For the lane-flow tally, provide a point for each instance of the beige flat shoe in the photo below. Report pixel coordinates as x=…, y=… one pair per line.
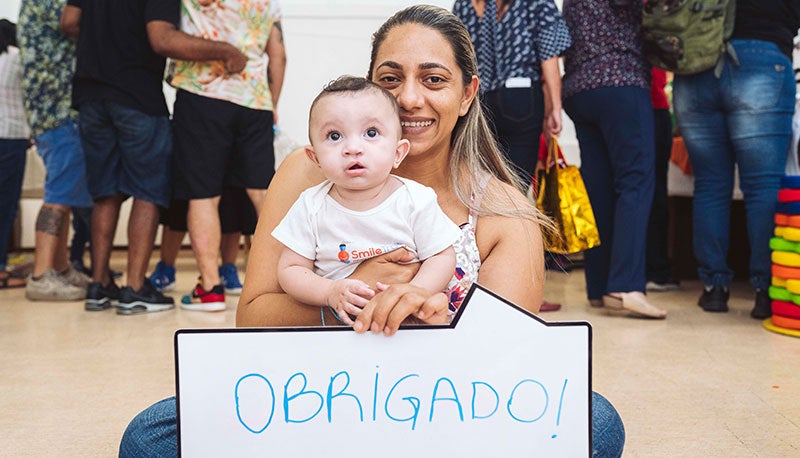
x=634, y=303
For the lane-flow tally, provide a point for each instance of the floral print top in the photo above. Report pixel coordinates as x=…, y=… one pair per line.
x=468, y=259
x=246, y=24
x=48, y=62
x=606, y=46
x=530, y=31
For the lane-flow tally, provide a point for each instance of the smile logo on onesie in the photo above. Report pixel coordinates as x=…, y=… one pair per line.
x=343, y=255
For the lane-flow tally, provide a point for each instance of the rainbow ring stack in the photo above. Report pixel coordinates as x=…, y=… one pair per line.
x=785, y=246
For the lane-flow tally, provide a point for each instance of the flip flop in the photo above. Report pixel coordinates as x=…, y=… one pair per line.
x=5, y=282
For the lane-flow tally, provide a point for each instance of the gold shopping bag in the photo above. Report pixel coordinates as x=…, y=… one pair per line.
x=562, y=196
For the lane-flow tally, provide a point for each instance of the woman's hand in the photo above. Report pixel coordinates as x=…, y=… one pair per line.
x=389, y=268
x=393, y=304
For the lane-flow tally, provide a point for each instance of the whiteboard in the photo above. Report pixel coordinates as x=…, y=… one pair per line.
x=498, y=381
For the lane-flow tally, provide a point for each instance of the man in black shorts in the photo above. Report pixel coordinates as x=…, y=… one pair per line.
x=223, y=130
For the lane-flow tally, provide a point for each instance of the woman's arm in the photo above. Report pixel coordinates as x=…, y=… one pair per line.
x=436, y=272
x=551, y=79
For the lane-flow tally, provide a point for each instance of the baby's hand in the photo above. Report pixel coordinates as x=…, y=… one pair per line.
x=347, y=297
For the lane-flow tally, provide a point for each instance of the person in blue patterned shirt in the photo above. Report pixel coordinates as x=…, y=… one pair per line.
x=518, y=44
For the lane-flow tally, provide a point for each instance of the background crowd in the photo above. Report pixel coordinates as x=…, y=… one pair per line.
x=71, y=80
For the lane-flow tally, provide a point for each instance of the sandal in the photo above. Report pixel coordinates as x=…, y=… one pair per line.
x=633, y=303
x=9, y=281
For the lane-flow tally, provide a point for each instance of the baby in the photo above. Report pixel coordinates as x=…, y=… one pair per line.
x=361, y=210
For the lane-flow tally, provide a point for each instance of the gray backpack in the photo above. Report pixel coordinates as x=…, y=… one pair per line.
x=688, y=36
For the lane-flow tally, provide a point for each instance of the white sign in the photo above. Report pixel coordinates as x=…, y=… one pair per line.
x=498, y=381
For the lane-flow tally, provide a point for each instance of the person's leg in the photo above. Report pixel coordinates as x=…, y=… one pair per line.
x=608, y=431
x=629, y=136
x=698, y=111
x=81, y=235
x=104, y=225
x=204, y=130
x=152, y=433
x=65, y=187
x=205, y=234
x=760, y=126
x=12, y=168
x=659, y=268
x=596, y=174
x=142, y=226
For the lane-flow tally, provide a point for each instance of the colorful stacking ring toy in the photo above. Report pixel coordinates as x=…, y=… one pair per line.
x=782, y=219
x=787, y=309
x=788, y=233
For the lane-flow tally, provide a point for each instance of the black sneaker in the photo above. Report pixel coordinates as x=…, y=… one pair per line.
x=714, y=299
x=147, y=299
x=99, y=297
x=763, y=307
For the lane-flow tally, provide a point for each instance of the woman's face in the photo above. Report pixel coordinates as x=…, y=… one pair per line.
x=416, y=64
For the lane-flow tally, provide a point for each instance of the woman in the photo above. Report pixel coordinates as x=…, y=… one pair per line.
x=741, y=119
x=424, y=57
x=607, y=96
x=517, y=45
x=14, y=134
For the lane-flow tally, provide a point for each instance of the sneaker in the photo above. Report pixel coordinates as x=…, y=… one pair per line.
x=99, y=297
x=52, y=286
x=663, y=286
x=76, y=277
x=204, y=301
x=763, y=306
x=229, y=276
x=163, y=277
x=146, y=300
x=714, y=299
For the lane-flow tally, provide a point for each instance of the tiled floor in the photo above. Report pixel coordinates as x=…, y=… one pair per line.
x=694, y=385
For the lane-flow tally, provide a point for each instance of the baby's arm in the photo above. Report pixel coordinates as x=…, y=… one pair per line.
x=435, y=272
x=297, y=278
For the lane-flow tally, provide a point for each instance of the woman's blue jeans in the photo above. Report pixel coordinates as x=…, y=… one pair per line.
x=154, y=432
x=742, y=119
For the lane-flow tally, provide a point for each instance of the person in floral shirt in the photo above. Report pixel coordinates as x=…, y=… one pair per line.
x=223, y=124
x=48, y=61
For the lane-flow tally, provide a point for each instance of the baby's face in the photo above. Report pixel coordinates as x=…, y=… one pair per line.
x=355, y=138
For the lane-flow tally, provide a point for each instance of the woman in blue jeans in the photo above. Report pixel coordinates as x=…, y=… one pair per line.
x=423, y=56
x=741, y=119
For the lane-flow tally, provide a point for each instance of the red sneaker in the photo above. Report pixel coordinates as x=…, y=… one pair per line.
x=204, y=301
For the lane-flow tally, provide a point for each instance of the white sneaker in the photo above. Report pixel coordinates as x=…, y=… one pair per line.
x=76, y=278
x=52, y=286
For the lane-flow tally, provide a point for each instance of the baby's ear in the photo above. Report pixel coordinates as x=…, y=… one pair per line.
x=311, y=155
x=403, y=147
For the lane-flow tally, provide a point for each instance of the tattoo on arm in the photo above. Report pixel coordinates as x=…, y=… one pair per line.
x=50, y=221
x=278, y=26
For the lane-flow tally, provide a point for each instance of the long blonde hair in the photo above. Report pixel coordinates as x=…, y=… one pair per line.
x=473, y=148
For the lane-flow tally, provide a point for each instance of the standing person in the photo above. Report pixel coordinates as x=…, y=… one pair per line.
x=14, y=135
x=125, y=129
x=659, y=266
x=743, y=118
x=223, y=125
x=518, y=44
x=48, y=62
x=424, y=57
x=606, y=94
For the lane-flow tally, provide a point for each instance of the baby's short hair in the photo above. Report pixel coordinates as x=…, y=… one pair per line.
x=352, y=84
